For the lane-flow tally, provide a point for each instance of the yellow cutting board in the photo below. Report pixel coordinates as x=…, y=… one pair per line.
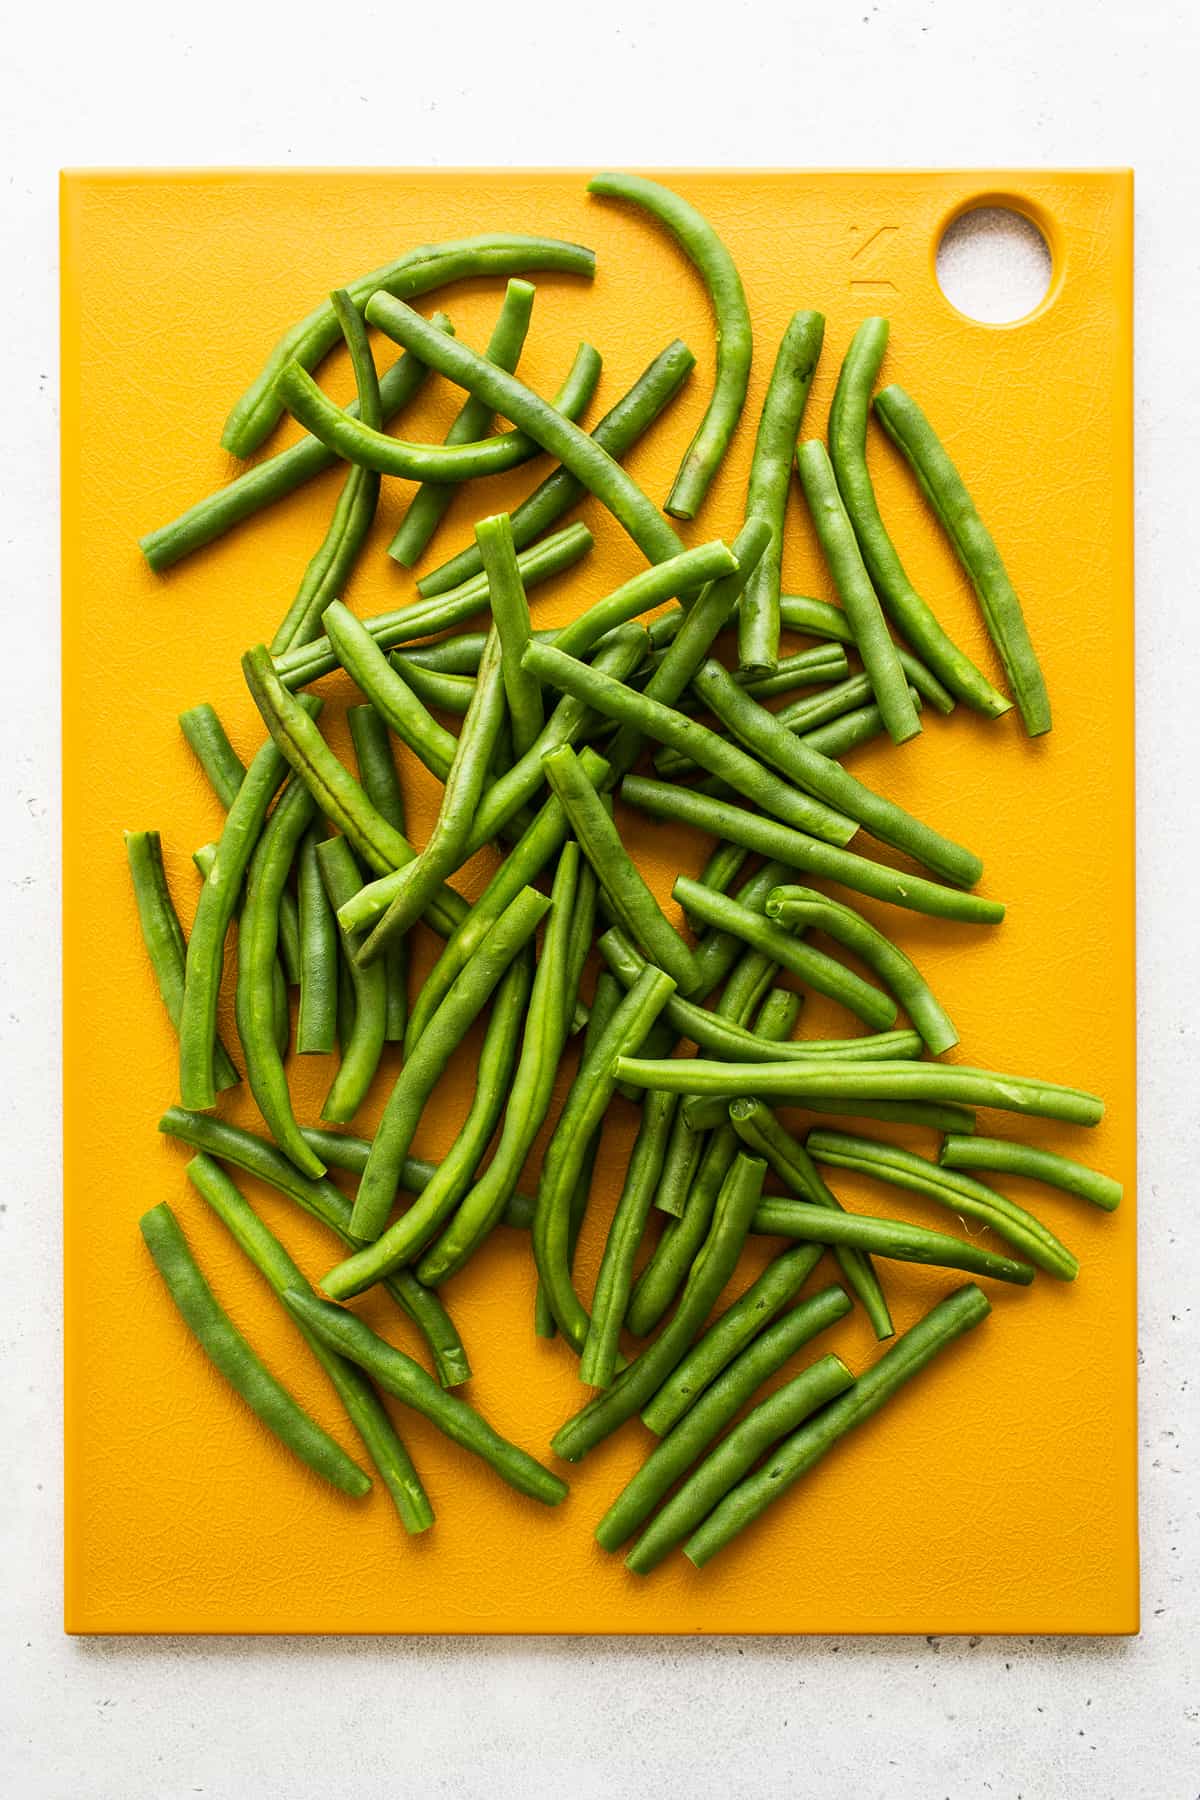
x=998, y=1493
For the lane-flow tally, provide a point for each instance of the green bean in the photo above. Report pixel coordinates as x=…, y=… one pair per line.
x=718, y=951
x=582, y=1111
x=275, y=477
x=358, y=443
x=579, y=948
x=738, y=1326
x=818, y=618
x=233, y=1357
x=761, y=733
x=943, y=487
x=893, y=1238
x=453, y=693
x=390, y=693
x=666, y=800
x=332, y=786
x=404, y=1239
x=680, y=1163
x=316, y=1024
x=711, y=1270
x=723, y=867
x=446, y=847
x=327, y=1203
x=438, y=1042
x=404, y=624
x=364, y=1045
x=705, y=1111
x=530, y=1091
x=840, y=546
x=806, y=1082
x=362, y=1404
x=457, y=655
x=799, y=908
x=889, y=1162
x=812, y=966
x=213, y=751
x=670, y=577
x=163, y=937
x=799, y=716
x=417, y=272
x=580, y=454
x=342, y=1151
x=628, y=896
x=326, y=575
x=510, y=611
x=214, y=913
x=589, y=685
x=848, y=730
x=381, y=784
x=722, y=1469
x=720, y=1401
x=704, y=249
x=966, y=1152
x=204, y=859
x=770, y=478
x=616, y=433
x=258, y=936
x=764, y=1136
x=910, y=614
x=949, y=1319
x=804, y=668
x=428, y=505
x=601, y=1347
x=398, y=1374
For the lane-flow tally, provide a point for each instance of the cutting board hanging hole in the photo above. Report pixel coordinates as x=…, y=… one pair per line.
x=994, y=265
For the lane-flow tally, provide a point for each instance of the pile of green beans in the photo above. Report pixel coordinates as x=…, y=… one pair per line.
x=585, y=980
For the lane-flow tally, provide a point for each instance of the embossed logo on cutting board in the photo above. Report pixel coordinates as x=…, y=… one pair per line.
x=868, y=260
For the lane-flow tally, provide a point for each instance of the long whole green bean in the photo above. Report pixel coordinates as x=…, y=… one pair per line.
x=428, y=505
x=820, y=619
x=740, y=1192
x=363, y=1407
x=892, y=1163
x=616, y=433
x=706, y=1111
x=893, y=1238
x=770, y=478
x=364, y=1045
x=949, y=1319
x=910, y=614
x=969, y=1152
x=446, y=1030
x=398, y=1374
x=510, y=612
x=598, y=1363
x=704, y=249
x=717, y=1405
x=946, y=492
x=330, y=568
x=417, y=272
x=844, y=558
x=381, y=784
x=577, y=452
x=233, y=1357
x=735, y=824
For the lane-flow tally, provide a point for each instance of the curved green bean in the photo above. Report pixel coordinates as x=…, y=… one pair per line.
x=820, y=619
x=364, y=1045
x=510, y=613
x=969, y=1152
x=615, y=433
x=398, y=1374
x=949, y=1319
x=943, y=487
x=893, y=1238
x=707, y=253
x=666, y=800
x=598, y=1364
x=417, y=272
x=381, y=784
x=363, y=1408
x=668, y=578
x=389, y=692
x=911, y=615
x=234, y=1358
x=889, y=1162
x=428, y=505
x=770, y=478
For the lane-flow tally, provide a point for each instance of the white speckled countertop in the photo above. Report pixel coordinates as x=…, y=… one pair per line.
x=941, y=82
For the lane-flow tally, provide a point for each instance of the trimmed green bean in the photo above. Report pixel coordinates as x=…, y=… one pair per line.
x=428, y=505
x=649, y=588
x=316, y=1025
x=234, y=1358
x=892, y=1238
x=381, y=784
x=804, y=668
x=930, y=1114
x=848, y=730
x=453, y=693
x=835, y=535
x=389, y=692
x=719, y=1402
x=342, y=1151
x=961, y=1152
x=889, y=1162
x=911, y=615
x=800, y=716
x=210, y=744
x=708, y=255
x=943, y=487
x=723, y=867
x=818, y=618
x=613, y=1283
x=363, y=1046
x=510, y=611
x=398, y=1374
x=363, y=1408
x=949, y=1319
x=770, y=478
x=583, y=931
x=417, y=272
x=666, y=800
